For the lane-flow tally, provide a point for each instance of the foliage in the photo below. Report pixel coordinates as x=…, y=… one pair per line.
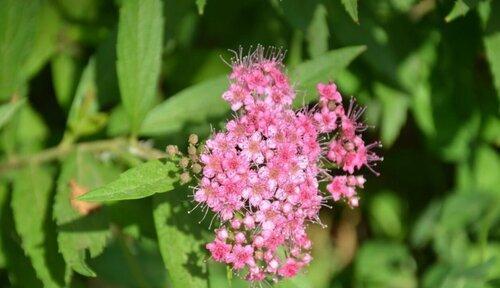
x=91, y=92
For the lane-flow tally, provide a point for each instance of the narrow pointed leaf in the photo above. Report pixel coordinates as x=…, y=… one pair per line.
x=141, y=181
x=351, y=6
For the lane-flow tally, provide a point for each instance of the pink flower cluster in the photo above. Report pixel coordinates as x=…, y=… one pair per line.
x=261, y=177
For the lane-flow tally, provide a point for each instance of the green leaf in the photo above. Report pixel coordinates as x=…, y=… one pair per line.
x=386, y=213
x=321, y=69
x=181, y=239
x=3, y=203
x=460, y=9
x=426, y=225
x=81, y=236
x=65, y=73
x=8, y=110
x=196, y=104
x=384, y=264
x=486, y=169
x=84, y=117
x=317, y=32
x=351, y=6
x=33, y=187
x=201, y=6
x=18, y=20
x=491, y=39
x=394, y=110
x=139, y=47
x=141, y=181
x=25, y=132
x=46, y=37
x=19, y=268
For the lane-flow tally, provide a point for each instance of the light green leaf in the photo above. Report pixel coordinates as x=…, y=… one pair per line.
x=181, y=239
x=384, y=264
x=8, y=110
x=351, y=6
x=321, y=69
x=18, y=20
x=196, y=104
x=460, y=9
x=394, y=109
x=386, y=213
x=33, y=187
x=317, y=32
x=201, y=6
x=46, y=37
x=141, y=181
x=81, y=236
x=25, y=132
x=19, y=268
x=426, y=225
x=139, y=47
x=84, y=117
x=65, y=72
x=3, y=203
x=486, y=170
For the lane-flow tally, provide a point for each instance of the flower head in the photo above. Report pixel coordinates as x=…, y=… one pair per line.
x=261, y=176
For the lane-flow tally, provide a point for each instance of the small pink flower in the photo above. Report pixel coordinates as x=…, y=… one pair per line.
x=290, y=268
x=241, y=256
x=328, y=92
x=220, y=251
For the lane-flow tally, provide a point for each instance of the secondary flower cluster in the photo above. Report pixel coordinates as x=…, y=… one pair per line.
x=261, y=176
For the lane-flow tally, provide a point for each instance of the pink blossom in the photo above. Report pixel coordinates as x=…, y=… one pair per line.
x=261, y=176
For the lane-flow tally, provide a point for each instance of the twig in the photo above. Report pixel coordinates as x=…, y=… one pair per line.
x=119, y=145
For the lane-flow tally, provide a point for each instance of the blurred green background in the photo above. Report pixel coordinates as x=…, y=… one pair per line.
x=429, y=74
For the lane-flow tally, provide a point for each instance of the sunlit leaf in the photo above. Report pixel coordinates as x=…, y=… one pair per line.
x=139, y=46
x=8, y=110
x=141, y=181
x=351, y=6
x=181, y=239
x=33, y=187
x=460, y=9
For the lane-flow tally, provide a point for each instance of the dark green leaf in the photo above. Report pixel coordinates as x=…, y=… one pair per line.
x=84, y=117
x=139, y=46
x=491, y=38
x=141, y=181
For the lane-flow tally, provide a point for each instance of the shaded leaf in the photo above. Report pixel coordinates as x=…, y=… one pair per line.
x=138, y=182
x=491, y=39
x=180, y=238
x=81, y=236
x=386, y=213
x=84, y=117
x=66, y=70
x=351, y=6
x=139, y=46
x=394, y=110
x=33, y=187
x=317, y=32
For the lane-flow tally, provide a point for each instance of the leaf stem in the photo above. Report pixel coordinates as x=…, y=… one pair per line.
x=117, y=145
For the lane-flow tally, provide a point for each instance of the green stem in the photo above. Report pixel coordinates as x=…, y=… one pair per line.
x=118, y=145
